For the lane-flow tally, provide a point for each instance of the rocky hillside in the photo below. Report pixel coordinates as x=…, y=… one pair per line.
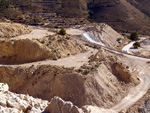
x=106, y=35
x=101, y=34
x=24, y=51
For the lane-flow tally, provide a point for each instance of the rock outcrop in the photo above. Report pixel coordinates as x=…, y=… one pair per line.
x=8, y=30
x=118, y=69
x=101, y=87
x=58, y=105
x=19, y=103
x=22, y=51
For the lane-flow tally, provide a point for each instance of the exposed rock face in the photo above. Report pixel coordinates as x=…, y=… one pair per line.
x=45, y=82
x=4, y=87
x=106, y=34
x=22, y=51
x=8, y=30
x=119, y=70
x=19, y=103
x=101, y=34
x=124, y=74
x=58, y=105
x=62, y=46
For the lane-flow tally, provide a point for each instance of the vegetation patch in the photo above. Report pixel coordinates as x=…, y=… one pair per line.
x=136, y=45
x=62, y=31
x=86, y=69
x=134, y=36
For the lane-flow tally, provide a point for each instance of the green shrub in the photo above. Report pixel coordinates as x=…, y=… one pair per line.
x=95, y=47
x=85, y=72
x=67, y=38
x=118, y=39
x=79, y=70
x=62, y=31
x=136, y=44
x=134, y=36
x=36, y=21
x=97, y=65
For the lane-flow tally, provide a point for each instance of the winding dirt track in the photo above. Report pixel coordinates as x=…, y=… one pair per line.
x=36, y=33
x=134, y=94
x=140, y=66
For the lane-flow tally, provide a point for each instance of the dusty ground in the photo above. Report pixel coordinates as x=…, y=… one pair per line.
x=36, y=33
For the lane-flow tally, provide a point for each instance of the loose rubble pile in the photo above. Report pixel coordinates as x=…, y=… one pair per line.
x=57, y=105
x=19, y=103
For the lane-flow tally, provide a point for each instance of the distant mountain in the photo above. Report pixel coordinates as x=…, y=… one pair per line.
x=123, y=15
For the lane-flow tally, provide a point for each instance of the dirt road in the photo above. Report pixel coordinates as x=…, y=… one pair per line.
x=36, y=33
x=72, y=61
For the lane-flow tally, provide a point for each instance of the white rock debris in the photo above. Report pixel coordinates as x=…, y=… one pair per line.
x=19, y=103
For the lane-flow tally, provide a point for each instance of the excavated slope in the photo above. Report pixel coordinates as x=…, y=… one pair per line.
x=100, y=34
x=26, y=50
x=22, y=51
x=106, y=35
x=97, y=88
